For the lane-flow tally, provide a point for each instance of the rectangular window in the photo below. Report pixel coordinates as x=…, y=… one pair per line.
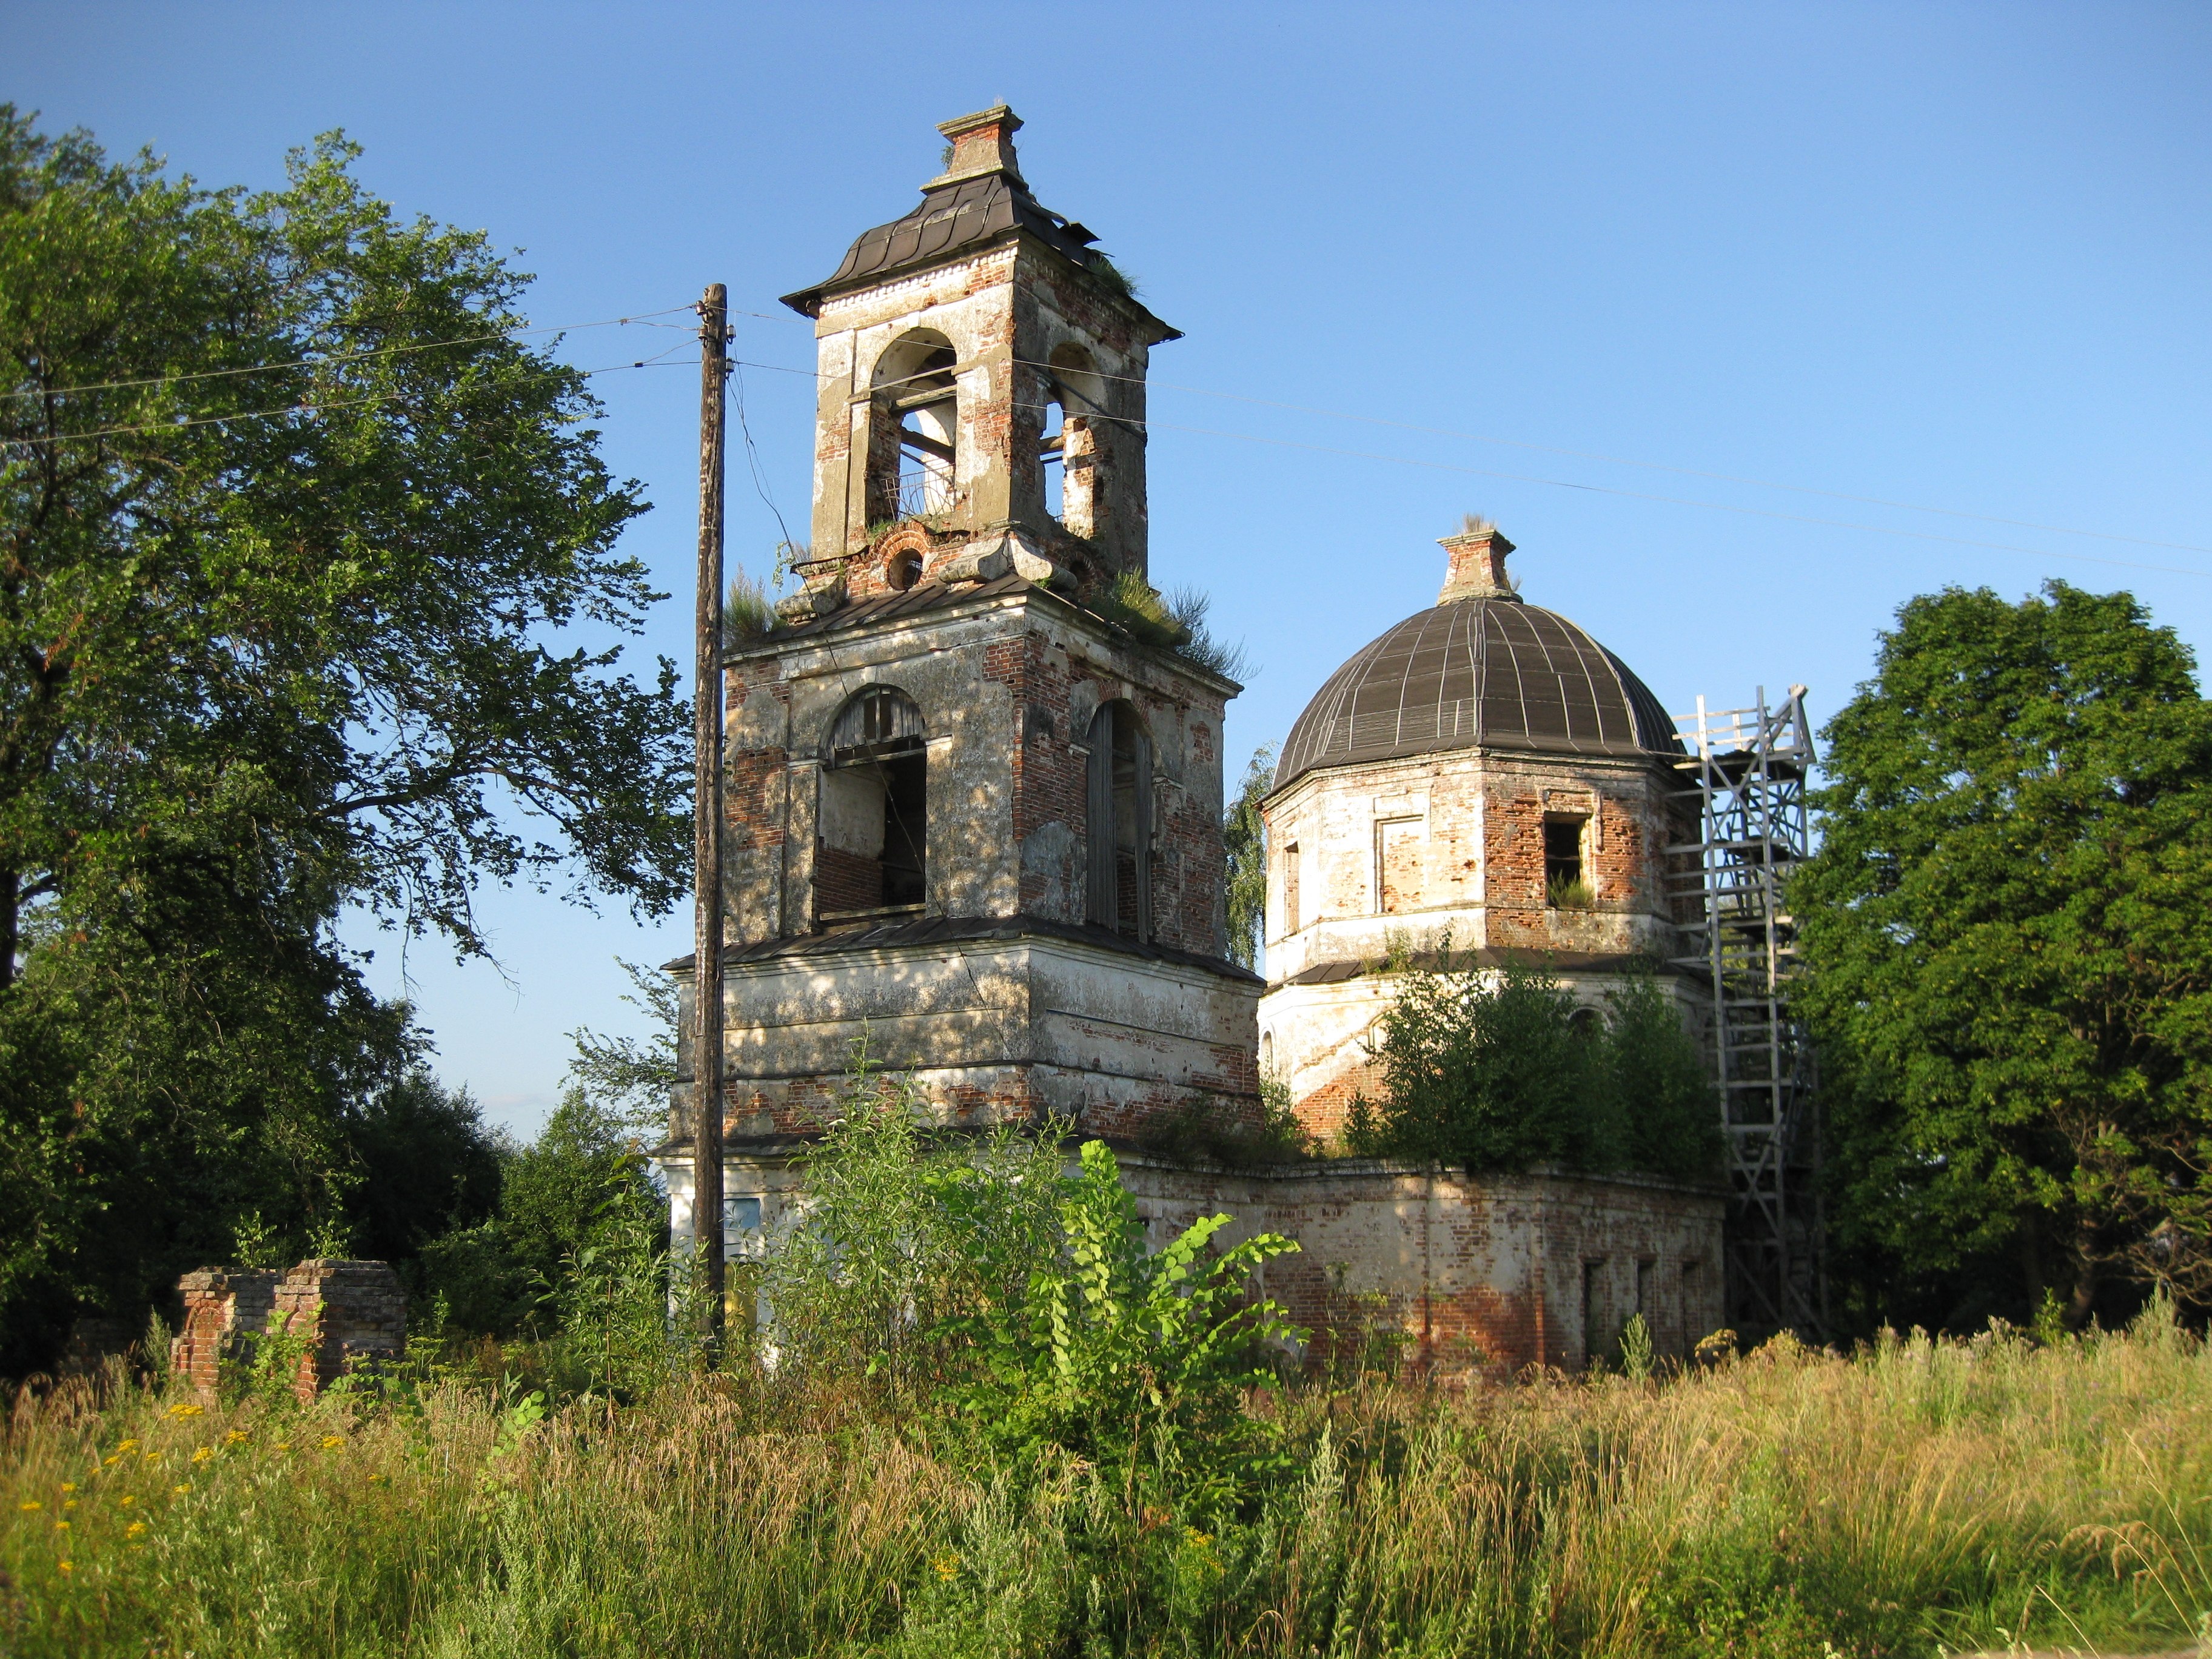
x=1291, y=888
x=1398, y=864
x=1563, y=881
x=1643, y=1270
x=741, y=1228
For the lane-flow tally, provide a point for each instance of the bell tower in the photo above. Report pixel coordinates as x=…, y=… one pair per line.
x=972, y=816
x=983, y=391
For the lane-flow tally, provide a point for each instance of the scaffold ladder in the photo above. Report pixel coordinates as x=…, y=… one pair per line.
x=1746, y=770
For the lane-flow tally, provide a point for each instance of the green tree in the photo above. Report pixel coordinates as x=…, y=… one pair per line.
x=293, y=534
x=423, y=1164
x=2010, y=956
x=1244, y=834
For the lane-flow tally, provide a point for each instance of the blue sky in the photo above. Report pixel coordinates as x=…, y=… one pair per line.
x=1944, y=256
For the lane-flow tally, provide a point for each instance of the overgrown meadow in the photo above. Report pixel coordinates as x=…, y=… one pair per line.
x=1919, y=1495
x=980, y=1413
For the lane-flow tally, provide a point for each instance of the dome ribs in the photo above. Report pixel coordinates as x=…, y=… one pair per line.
x=1497, y=674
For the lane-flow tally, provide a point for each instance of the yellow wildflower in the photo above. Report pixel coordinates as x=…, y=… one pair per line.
x=61, y=1526
x=234, y=1437
x=69, y=1503
x=179, y=1491
x=203, y=1453
x=151, y=1457
x=135, y=1529
x=128, y=1446
x=1198, y=1540
x=68, y=1566
x=186, y=1408
x=69, y=1485
x=126, y=1500
x=947, y=1567
x=32, y=1506
x=332, y=1442
x=283, y=1445
x=110, y=1459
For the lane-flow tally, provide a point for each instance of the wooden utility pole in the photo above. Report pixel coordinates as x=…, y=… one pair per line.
x=707, y=846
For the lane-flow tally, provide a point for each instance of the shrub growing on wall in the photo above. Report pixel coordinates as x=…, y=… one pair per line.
x=1507, y=1071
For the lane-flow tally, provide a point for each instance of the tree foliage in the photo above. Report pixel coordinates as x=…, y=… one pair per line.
x=1507, y=1071
x=2011, y=957
x=293, y=530
x=1244, y=834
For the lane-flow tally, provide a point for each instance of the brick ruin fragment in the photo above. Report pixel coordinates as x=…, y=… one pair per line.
x=351, y=1315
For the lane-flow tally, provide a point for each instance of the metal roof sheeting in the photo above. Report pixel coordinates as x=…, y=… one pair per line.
x=1495, y=673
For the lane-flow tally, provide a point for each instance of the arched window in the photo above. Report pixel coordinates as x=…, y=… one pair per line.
x=1068, y=450
x=872, y=851
x=913, y=447
x=1119, y=821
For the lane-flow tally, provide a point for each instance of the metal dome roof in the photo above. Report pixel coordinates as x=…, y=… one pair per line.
x=1491, y=671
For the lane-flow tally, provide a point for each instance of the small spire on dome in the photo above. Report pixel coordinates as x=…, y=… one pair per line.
x=982, y=144
x=1477, y=570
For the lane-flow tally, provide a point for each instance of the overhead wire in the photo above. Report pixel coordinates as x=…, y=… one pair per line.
x=1623, y=460
x=1646, y=495
x=1606, y=490
x=641, y=319
x=659, y=361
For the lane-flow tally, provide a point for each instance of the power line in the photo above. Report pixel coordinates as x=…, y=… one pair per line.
x=658, y=361
x=1656, y=467
x=346, y=357
x=1644, y=496
x=1659, y=467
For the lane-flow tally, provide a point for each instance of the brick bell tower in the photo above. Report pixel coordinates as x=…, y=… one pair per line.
x=971, y=822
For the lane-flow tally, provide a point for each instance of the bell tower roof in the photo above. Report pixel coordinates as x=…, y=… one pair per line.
x=979, y=198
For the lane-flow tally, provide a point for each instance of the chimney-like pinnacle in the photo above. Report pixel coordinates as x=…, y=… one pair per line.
x=982, y=144
x=1477, y=570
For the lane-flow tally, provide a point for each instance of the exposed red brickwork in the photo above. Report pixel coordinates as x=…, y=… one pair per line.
x=347, y=1313
x=1323, y=1113
x=846, y=881
x=222, y=1311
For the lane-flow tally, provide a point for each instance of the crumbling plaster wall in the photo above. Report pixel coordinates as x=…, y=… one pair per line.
x=1007, y=687
x=1479, y=817
x=1484, y=1275
x=987, y=1029
x=1475, y=819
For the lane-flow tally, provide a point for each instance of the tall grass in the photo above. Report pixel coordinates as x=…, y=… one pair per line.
x=1916, y=1497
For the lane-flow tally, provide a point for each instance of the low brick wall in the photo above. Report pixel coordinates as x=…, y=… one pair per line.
x=347, y=1312
x=1464, y=1275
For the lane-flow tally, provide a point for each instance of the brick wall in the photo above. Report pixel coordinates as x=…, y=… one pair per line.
x=1465, y=1276
x=348, y=1313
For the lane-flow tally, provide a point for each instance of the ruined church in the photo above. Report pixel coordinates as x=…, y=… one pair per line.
x=973, y=819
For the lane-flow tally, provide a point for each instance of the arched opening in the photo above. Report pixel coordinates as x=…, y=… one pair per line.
x=913, y=448
x=1119, y=827
x=1068, y=449
x=871, y=856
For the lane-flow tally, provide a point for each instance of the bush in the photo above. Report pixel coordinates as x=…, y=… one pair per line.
x=967, y=1276
x=1507, y=1071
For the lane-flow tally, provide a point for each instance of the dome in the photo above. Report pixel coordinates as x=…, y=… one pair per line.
x=1488, y=671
